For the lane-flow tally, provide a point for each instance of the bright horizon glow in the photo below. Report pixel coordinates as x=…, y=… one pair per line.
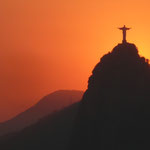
x=48, y=45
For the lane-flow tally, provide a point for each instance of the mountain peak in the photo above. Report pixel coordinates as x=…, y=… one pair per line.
x=123, y=61
x=126, y=48
x=114, y=112
x=115, y=109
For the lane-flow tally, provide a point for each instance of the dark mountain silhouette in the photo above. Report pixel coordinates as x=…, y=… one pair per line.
x=115, y=110
x=47, y=105
x=114, y=113
x=52, y=132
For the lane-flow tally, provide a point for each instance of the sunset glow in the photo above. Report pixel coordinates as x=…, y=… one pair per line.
x=48, y=45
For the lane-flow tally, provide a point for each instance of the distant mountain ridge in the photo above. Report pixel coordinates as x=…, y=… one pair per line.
x=114, y=113
x=51, y=132
x=53, y=102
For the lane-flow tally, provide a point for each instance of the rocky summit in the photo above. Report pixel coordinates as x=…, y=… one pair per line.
x=115, y=110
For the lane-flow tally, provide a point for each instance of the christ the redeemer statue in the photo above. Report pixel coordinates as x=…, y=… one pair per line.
x=124, y=30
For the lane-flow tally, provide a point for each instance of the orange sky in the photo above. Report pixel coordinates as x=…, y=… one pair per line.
x=47, y=45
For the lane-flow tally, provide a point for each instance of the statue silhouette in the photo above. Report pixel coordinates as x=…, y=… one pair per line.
x=124, y=30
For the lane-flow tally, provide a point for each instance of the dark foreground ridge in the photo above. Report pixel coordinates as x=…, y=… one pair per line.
x=114, y=113
x=55, y=101
x=115, y=110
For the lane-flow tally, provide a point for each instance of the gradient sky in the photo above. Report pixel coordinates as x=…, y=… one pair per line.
x=46, y=45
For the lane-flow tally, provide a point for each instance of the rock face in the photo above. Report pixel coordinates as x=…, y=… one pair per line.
x=115, y=110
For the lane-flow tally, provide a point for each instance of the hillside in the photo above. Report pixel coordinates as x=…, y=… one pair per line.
x=114, y=113
x=47, y=105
